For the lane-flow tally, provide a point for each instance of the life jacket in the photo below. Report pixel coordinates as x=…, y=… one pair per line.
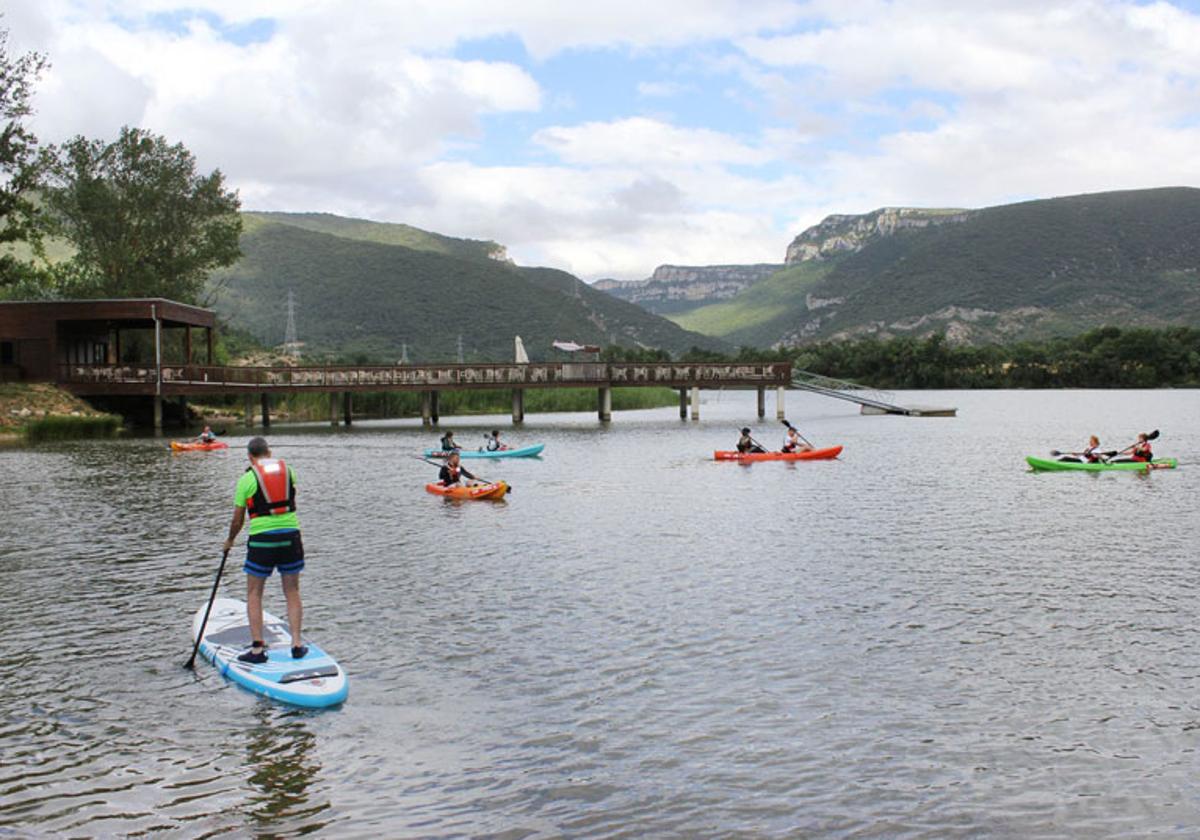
x=1090, y=455
x=276, y=493
x=1141, y=452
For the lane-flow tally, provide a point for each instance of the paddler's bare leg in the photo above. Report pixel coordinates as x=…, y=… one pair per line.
x=254, y=596
x=295, y=610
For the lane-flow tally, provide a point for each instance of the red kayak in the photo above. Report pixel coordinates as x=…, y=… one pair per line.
x=809, y=455
x=193, y=446
x=471, y=492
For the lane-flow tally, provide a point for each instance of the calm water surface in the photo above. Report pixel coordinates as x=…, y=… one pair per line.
x=919, y=639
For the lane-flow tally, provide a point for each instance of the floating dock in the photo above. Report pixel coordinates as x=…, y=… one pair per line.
x=871, y=400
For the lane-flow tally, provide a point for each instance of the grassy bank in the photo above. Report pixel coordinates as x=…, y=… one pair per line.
x=40, y=412
x=537, y=401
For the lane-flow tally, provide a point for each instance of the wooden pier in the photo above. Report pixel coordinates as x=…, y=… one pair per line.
x=341, y=382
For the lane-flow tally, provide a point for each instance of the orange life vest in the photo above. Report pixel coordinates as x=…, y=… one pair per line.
x=276, y=493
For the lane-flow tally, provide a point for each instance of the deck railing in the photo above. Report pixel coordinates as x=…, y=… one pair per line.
x=418, y=377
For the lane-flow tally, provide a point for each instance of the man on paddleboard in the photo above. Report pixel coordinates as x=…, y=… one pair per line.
x=267, y=491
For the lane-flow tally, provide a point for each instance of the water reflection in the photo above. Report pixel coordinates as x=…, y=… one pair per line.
x=280, y=755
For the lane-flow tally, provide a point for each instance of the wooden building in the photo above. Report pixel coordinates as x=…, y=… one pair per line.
x=40, y=340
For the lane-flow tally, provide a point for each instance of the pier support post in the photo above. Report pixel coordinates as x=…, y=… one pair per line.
x=518, y=406
x=695, y=402
x=426, y=408
x=249, y=406
x=183, y=413
x=605, y=404
x=158, y=416
x=434, y=411
x=265, y=403
x=780, y=411
x=683, y=403
x=762, y=402
x=347, y=408
x=333, y=418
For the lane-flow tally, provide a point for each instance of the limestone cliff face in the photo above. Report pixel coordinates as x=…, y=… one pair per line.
x=675, y=287
x=842, y=233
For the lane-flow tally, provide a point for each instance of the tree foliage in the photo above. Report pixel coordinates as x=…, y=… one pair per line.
x=142, y=221
x=18, y=156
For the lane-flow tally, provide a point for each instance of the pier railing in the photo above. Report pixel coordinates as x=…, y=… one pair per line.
x=181, y=379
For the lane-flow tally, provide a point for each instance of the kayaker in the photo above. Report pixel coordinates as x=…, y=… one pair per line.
x=1141, y=449
x=1090, y=452
x=206, y=436
x=267, y=491
x=493, y=442
x=452, y=471
x=792, y=442
x=747, y=444
x=448, y=444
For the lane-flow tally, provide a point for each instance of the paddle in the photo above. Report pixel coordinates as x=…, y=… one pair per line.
x=190, y=664
x=439, y=466
x=797, y=431
x=1111, y=453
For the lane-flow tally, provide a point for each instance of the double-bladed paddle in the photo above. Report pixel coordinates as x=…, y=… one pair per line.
x=1111, y=453
x=477, y=478
x=797, y=431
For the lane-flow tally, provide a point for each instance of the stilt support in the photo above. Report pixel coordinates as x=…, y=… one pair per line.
x=780, y=410
x=265, y=403
x=158, y=414
x=518, y=406
x=426, y=408
x=434, y=410
x=695, y=403
x=347, y=408
x=683, y=403
x=604, y=404
x=762, y=402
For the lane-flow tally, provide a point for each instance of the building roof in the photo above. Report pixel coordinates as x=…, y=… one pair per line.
x=132, y=312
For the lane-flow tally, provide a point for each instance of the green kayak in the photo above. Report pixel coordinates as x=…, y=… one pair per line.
x=1052, y=464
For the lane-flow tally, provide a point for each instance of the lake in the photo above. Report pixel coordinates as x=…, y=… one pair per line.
x=921, y=638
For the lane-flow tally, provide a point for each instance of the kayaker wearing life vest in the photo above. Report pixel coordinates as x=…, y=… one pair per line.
x=448, y=444
x=746, y=442
x=206, y=436
x=1141, y=449
x=493, y=442
x=452, y=471
x=267, y=491
x=1090, y=453
x=793, y=443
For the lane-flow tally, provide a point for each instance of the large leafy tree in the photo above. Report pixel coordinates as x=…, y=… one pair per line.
x=18, y=155
x=142, y=221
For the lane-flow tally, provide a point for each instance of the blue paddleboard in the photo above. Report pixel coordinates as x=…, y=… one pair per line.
x=316, y=681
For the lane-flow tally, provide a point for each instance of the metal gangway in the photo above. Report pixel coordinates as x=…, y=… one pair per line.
x=872, y=400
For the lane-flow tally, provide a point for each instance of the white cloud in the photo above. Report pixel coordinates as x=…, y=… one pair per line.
x=644, y=141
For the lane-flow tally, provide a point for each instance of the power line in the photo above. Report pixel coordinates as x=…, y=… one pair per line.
x=291, y=346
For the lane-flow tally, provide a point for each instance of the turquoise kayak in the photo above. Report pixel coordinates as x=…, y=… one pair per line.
x=1052, y=464
x=523, y=452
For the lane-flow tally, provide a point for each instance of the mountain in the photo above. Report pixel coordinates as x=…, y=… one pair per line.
x=679, y=288
x=370, y=289
x=1032, y=270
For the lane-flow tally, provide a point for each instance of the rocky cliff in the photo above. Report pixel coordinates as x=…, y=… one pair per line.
x=674, y=288
x=843, y=234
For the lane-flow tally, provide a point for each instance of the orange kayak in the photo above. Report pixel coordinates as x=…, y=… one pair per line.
x=179, y=446
x=811, y=455
x=495, y=490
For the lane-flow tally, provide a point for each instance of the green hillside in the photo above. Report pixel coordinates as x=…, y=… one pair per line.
x=1021, y=271
x=367, y=298
x=384, y=233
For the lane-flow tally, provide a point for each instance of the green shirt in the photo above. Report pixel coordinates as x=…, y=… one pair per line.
x=246, y=487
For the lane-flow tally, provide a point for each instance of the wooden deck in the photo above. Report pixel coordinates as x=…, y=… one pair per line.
x=194, y=380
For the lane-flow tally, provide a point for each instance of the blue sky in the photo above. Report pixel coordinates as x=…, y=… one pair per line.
x=610, y=138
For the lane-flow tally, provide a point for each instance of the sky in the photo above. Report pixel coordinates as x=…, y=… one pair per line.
x=611, y=137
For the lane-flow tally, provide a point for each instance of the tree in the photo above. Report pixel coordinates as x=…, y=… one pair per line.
x=142, y=221
x=18, y=156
